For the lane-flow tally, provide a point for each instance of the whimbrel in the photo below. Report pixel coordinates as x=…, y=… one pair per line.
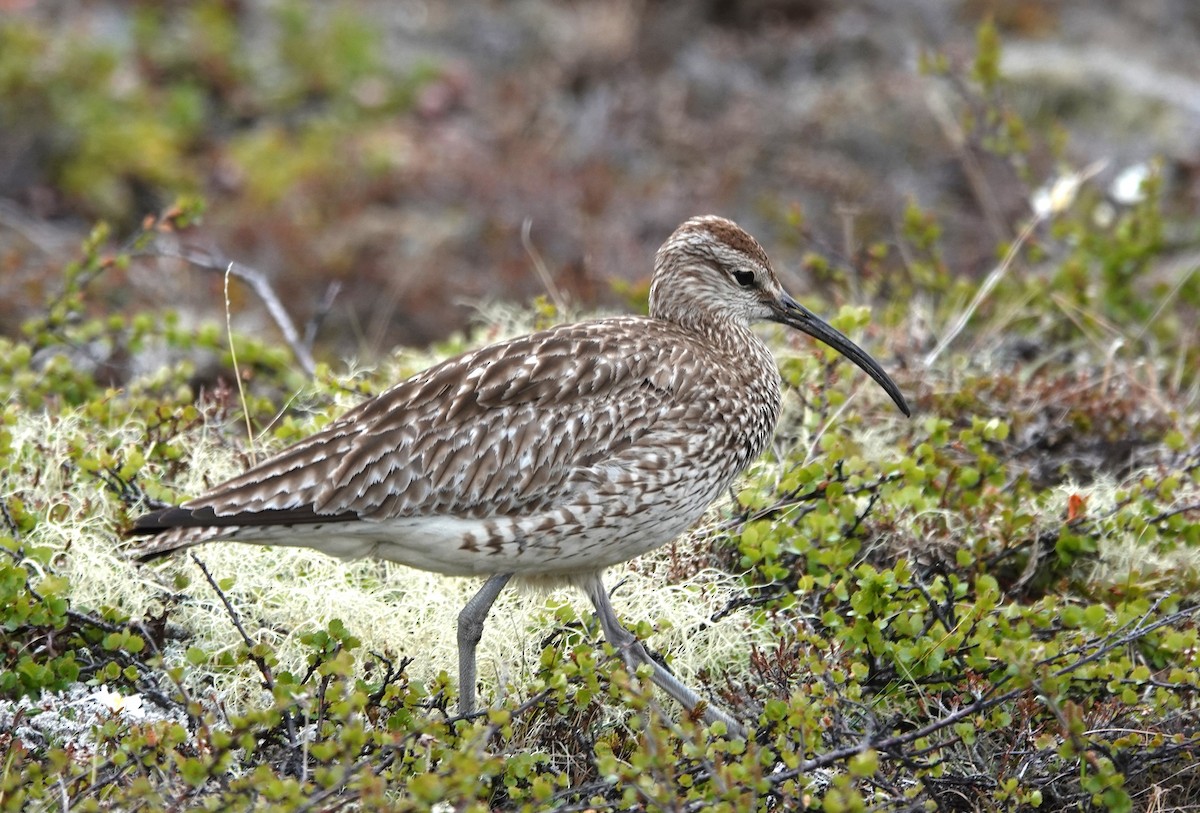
x=555, y=454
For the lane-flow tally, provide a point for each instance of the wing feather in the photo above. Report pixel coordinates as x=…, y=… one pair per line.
x=498, y=430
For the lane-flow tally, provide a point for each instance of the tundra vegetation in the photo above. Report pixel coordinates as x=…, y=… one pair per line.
x=990, y=606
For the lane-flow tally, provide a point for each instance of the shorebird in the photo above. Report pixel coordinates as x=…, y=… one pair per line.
x=553, y=455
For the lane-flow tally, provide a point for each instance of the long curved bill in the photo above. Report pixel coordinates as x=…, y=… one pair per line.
x=791, y=313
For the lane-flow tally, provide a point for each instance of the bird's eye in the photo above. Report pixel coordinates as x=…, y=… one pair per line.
x=744, y=278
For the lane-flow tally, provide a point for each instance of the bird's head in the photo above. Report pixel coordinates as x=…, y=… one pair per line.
x=710, y=271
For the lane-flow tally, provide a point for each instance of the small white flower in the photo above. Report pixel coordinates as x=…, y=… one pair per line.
x=119, y=704
x=1126, y=189
x=1055, y=198
x=107, y=698
x=134, y=707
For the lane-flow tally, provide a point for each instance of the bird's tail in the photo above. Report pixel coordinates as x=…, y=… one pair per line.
x=169, y=531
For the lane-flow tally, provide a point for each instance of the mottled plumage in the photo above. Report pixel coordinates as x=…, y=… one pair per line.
x=558, y=453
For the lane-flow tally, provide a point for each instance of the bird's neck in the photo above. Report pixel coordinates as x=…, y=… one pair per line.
x=744, y=357
x=748, y=371
x=730, y=336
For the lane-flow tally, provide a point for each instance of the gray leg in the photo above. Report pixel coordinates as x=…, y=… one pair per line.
x=634, y=654
x=470, y=630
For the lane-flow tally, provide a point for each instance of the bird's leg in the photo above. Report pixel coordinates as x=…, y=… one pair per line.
x=470, y=630
x=634, y=653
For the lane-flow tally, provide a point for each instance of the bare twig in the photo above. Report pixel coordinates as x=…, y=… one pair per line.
x=992, y=280
x=261, y=286
x=322, y=310
x=264, y=668
x=237, y=373
x=539, y=266
x=40, y=233
x=1166, y=300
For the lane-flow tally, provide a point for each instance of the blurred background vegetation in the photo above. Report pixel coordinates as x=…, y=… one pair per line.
x=399, y=147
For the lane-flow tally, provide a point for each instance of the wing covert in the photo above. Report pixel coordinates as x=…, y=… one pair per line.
x=495, y=431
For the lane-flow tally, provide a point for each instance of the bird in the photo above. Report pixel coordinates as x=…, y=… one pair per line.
x=546, y=457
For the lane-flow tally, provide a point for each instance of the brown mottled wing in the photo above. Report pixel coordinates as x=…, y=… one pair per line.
x=496, y=431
